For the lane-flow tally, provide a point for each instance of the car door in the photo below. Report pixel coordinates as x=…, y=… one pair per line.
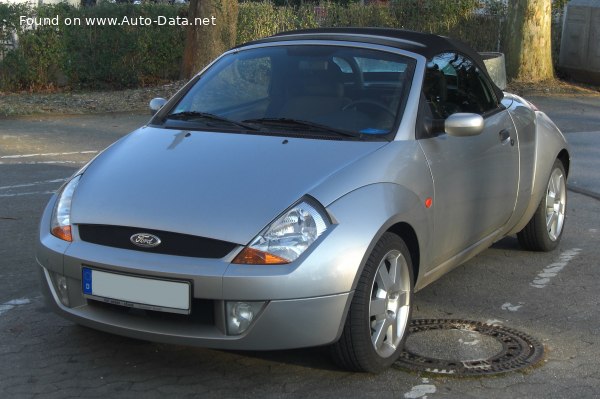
x=475, y=178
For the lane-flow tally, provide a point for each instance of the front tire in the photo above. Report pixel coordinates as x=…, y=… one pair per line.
x=544, y=230
x=377, y=322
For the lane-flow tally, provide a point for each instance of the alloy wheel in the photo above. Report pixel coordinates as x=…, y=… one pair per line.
x=389, y=308
x=556, y=199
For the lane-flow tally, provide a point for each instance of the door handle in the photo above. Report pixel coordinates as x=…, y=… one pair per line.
x=505, y=137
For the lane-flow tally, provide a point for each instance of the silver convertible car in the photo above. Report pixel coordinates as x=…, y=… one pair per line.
x=298, y=191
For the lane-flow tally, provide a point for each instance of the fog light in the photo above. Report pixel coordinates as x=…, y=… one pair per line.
x=63, y=290
x=240, y=316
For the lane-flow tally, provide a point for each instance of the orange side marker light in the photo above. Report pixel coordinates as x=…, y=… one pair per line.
x=428, y=202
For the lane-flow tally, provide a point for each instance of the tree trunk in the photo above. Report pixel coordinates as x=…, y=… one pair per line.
x=204, y=42
x=527, y=40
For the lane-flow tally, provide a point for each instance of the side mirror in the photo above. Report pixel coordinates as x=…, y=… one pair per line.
x=156, y=104
x=464, y=125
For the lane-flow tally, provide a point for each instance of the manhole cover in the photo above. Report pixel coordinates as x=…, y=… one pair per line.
x=468, y=348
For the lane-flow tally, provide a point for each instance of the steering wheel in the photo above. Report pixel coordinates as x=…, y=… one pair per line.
x=372, y=103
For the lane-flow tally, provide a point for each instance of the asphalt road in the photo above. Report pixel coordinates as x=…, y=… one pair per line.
x=42, y=355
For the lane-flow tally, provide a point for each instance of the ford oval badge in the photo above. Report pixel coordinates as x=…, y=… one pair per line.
x=145, y=240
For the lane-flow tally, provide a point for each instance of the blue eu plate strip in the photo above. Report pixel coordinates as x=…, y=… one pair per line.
x=86, y=280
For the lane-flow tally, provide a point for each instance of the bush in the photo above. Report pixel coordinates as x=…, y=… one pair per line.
x=123, y=56
x=107, y=56
x=454, y=18
x=257, y=20
x=129, y=56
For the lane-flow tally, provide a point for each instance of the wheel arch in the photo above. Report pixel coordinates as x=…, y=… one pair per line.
x=409, y=236
x=550, y=144
x=389, y=208
x=565, y=158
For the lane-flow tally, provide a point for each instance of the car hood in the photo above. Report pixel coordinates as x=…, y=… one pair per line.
x=219, y=185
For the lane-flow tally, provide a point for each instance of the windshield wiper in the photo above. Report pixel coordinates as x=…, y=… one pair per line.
x=303, y=124
x=189, y=115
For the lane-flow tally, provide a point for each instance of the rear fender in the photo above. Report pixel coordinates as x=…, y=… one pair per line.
x=549, y=142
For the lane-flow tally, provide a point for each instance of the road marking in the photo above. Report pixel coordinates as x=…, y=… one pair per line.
x=421, y=391
x=30, y=193
x=552, y=270
x=43, y=163
x=35, y=183
x=6, y=306
x=592, y=132
x=48, y=154
x=512, y=308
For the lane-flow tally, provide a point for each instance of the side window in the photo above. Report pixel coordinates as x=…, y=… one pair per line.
x=372, y=65
x=453, y=83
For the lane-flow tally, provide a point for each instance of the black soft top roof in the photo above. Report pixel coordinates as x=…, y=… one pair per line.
x=426, y=44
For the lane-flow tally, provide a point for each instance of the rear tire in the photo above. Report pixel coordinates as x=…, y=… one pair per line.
x=544, y=230
x=377, y=322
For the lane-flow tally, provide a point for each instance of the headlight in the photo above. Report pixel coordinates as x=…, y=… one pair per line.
x=284, y=240
x=61, y=216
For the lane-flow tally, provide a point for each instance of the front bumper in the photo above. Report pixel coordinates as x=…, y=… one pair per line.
x=283, y=324
x=305, y=303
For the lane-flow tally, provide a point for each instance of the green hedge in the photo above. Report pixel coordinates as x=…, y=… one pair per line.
x=130, y=56
x=91, y=56
x=456, y=18
x=260, y=19
x=124, y=55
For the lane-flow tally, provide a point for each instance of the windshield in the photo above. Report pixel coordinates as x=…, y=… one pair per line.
x=303, y=90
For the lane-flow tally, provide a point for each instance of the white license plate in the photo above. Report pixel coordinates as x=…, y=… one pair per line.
x=136, y=292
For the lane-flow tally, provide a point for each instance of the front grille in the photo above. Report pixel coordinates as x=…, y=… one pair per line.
x=171, y=243
x=202, y=312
